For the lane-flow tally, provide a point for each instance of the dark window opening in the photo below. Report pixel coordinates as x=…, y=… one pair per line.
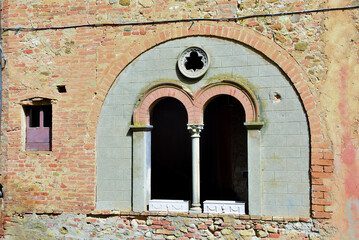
x=194, y=62
x=61, y=88
x=224, y=168
x=38, y=127
x=171, y=169
x=34, y=117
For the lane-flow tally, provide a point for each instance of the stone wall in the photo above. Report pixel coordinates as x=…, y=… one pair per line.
x=319, y=51
x=171, y=226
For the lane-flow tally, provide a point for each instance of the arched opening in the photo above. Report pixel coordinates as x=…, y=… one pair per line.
x=224, y=168
x=170, y=151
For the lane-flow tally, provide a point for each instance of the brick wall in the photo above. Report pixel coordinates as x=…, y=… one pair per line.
x=89, y=59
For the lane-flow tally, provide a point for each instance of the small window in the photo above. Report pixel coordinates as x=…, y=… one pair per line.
x=38, y=127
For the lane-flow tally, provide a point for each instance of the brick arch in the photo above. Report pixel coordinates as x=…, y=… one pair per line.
x=230, y=31
x=141, y=115
x=205, y=94
x=321, y=153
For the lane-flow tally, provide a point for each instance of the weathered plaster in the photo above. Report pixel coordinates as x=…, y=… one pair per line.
x=339, y=100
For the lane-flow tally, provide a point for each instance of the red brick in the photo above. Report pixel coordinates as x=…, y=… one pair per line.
x=321, y=215
x=202, y=227
x=274, y=235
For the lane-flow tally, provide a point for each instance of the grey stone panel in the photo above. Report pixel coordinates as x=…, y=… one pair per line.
x=274, y=210
x=232, y=61
x=270, y=199
x=274, y=140
x=298, y=187
x=297, y=163
x=246, y=71
x=297, y=211
x=293, y=200
x=274, y=187
x=256, y=60
x=284, y=137
x=268, y=176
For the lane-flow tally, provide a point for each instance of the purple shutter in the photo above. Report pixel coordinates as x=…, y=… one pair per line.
x=37, y=138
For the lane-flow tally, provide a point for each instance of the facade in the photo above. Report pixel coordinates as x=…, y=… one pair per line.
x=173, y=120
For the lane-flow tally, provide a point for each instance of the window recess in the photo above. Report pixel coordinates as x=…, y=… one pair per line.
x=38, y=115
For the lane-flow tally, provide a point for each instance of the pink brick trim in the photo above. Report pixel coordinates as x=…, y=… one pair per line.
x=194, y=105
x=153, y=94
x=243, y=95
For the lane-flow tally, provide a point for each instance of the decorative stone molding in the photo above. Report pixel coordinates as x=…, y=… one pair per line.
x=193, y=62
x=168, y=205
x=229, y=207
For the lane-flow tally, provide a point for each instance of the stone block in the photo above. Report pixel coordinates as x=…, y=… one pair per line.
x=246, y=72
x=247, y=233
x=256, y=60
x=301, y=46
x=233, y=61
x=281, y=176
x=289, y=200
x=269, y=199
x=298, y=187
x=268, y=176
x=169, y=205
x=225, y=50
x=297, y=164
x=269, y=70
x=298, y=211
x=230, y=207
x=297, y=140
x=274, y=187
x=276, y=116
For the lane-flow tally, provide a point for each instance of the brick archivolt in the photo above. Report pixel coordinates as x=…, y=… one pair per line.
x=195, y=104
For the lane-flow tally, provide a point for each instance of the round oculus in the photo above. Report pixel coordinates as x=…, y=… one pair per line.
x=193, y=62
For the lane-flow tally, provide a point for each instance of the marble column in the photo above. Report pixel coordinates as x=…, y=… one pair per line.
x=195, y=130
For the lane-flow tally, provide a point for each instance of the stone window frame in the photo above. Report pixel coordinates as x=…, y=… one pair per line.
x=195, y=105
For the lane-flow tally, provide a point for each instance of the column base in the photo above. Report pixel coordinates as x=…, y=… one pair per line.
x=195, y=208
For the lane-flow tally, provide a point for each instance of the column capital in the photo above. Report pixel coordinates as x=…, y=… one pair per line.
x=195, y=129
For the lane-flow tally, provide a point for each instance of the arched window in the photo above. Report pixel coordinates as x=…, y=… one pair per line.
x=224, y=169
x=170, y=151
x=163, y=168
